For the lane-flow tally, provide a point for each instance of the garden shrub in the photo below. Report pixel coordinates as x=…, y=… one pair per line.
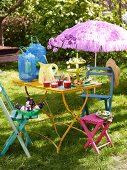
x=17, y=31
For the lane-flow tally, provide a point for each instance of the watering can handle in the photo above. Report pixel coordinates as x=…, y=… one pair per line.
x=32, y=37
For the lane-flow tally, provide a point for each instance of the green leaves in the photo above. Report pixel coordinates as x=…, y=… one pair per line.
x=48, y=18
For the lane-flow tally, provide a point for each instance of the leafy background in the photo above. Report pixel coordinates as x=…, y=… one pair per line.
x=46, y=19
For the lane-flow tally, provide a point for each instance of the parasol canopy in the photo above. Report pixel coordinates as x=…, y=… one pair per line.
x=92, y=36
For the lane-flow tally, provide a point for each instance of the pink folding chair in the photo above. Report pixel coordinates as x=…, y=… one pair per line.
x=99, y=124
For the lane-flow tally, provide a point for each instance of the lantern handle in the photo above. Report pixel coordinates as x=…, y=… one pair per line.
x=34, y=38
x=22, y=49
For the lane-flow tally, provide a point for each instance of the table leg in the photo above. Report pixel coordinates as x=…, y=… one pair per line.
x=66, y=105
x=74, y=120
x=50, y=115
x=26, y=91
x=43, y=98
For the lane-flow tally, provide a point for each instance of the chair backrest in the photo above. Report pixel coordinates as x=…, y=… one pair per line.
x=2, y=90
x=102, y=71
x=16, y=128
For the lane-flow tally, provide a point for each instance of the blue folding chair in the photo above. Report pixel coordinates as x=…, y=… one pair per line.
x=17, y=122
x=100, y=71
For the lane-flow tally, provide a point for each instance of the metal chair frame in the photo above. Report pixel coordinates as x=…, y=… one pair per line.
x=105, y=71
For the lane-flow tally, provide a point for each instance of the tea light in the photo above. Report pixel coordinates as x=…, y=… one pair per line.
x=67, y=84
x=60, y=82
x=54, y=84
x=46, y=83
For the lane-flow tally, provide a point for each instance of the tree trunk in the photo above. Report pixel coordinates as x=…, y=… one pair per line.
x=1, y=31
x=120, y=9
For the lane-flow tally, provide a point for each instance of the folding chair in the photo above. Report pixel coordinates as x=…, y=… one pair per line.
x=17, y=122
x=104, y=71
x=99, y=124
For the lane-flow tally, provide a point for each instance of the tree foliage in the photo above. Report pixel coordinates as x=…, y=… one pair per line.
x=17, y=31
x=6, y=9
x=48, y=18
x=54, y=16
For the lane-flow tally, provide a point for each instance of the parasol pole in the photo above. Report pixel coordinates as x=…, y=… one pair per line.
x=76, y=54
x=95, y=66
x=77, y=67
x=95, y=59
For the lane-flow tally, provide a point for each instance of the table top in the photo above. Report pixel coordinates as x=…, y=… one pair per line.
x=59, y=89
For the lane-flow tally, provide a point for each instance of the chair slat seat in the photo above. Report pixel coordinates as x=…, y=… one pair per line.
x=98, y=96
x=107, y=98
x=100, y=130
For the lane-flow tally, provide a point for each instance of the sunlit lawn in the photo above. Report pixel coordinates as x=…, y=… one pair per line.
x=72, y=155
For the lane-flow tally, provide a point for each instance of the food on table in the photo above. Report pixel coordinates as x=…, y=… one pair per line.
x=77, y=82
x=76, y=60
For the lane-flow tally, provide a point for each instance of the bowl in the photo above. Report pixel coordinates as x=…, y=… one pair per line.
x=54, y=84
x=46, y=83
x=67, y=84
x=60, y=82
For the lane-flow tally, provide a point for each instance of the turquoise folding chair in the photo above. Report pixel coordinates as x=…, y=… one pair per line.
x=101, y=71
x=17, y=122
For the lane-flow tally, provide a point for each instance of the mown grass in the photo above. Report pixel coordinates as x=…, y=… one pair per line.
x=72, y=155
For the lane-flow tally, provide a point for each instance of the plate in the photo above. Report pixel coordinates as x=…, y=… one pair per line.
x=81, y=85
x=93, y=82
x=74, y=85
x=103, y=115
x=78, y=62
x=74, y=70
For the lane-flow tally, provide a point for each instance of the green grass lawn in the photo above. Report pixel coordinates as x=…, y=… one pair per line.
x=72, y=155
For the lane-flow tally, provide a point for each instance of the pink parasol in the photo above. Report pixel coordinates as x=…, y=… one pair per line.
x=93, y=36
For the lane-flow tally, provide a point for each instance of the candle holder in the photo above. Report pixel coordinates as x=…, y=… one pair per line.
x=54, y=84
